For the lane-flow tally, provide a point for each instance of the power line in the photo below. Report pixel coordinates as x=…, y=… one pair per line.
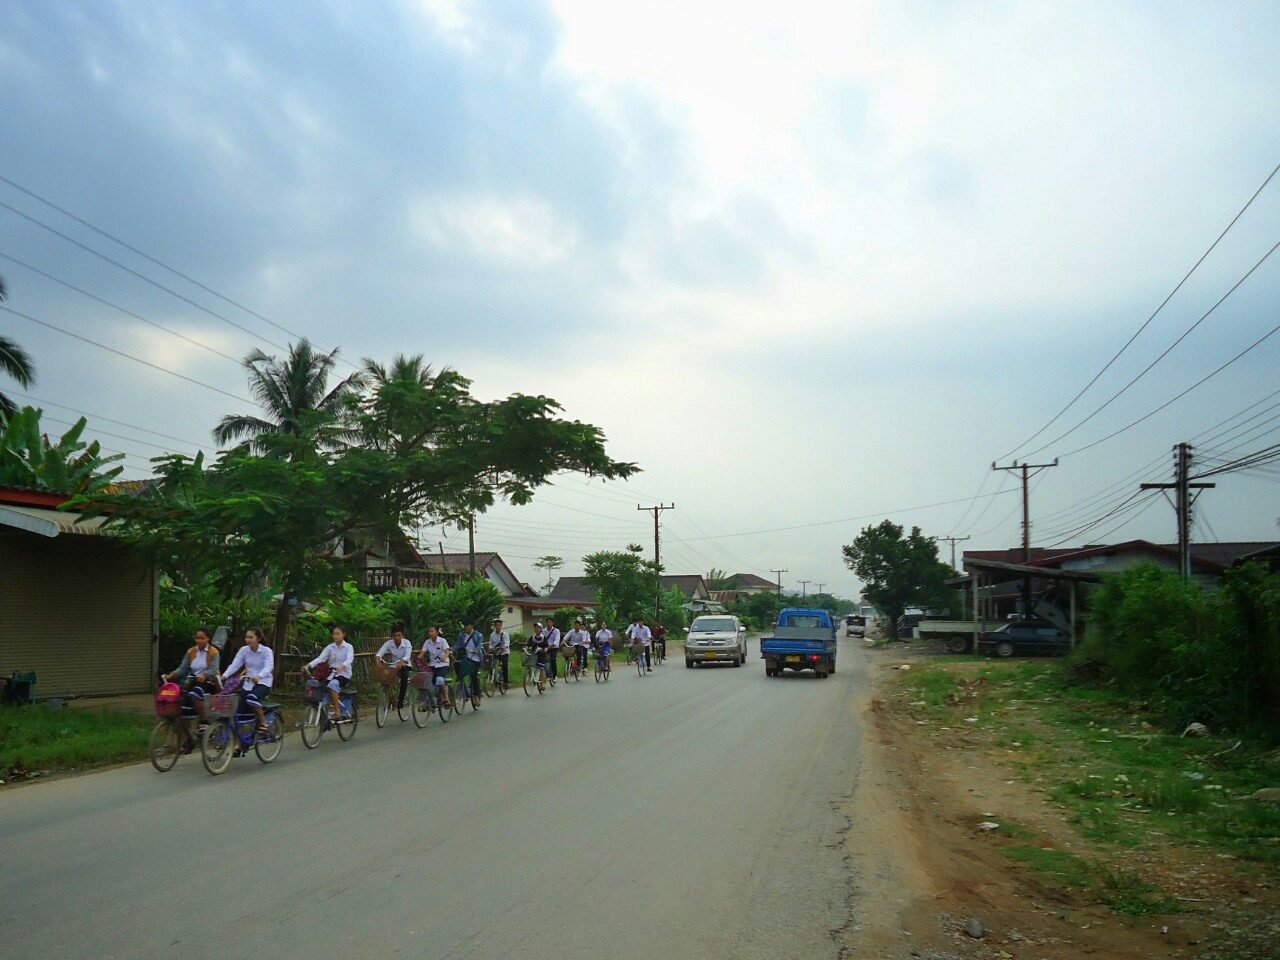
x=143, y=277
x=1146, y=322
x=1167, y=351
x=121, y=353
x=95, y=416
x=146, y=256
x=115, y=306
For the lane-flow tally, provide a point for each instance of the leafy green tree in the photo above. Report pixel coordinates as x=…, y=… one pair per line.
x=898, y=571
x=295, y=397
x=626, y=584
x=15, y=363
x=28, y=458
x=446, y=607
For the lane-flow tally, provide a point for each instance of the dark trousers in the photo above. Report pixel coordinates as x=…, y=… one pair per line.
x=551, y=661
x=504, y=659
x=404, y=684
x=647, y=664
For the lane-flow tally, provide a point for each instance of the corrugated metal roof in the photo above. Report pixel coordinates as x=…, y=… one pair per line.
x=49, y=523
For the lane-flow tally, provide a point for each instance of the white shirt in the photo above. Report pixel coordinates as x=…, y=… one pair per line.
x=200, y=661
x=553, y=638
x=604, y=635
x=258, y=665
x=500, y=642
x=339, y=658
x=643, y=634
x=437, y=651
x=631, y=630
x=399, y=653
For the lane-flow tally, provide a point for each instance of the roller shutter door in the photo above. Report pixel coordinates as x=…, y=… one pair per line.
x=78, y=611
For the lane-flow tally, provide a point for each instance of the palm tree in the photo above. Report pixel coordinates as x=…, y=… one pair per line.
x=402, y=369
x=291, y=392
x=15, y=362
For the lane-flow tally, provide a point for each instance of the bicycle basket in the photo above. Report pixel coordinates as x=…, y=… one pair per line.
x=224, y=701
x=384, y=672
x=421, y=680
x=169, y=701
x=313, y=691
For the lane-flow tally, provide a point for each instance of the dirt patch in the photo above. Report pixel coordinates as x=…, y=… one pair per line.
x=930, y=859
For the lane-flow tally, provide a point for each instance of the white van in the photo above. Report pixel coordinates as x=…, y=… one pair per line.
x=716, y=638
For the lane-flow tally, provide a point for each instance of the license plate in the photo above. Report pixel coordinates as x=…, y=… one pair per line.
x=795, y=659
x=712, y=656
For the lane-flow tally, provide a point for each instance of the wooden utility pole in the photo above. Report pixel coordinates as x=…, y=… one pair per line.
x=779, y=573
x=1027, y=474
x=953, y=541
x=804, y=588
x=471, y=545
x=820, y=586
x=657, y=555
x=1182, y=503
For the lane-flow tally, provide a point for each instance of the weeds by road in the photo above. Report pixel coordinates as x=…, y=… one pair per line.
x=38, y=739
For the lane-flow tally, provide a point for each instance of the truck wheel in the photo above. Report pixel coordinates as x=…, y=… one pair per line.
x=1004, y=649
x=688, y=663
x=959, y=644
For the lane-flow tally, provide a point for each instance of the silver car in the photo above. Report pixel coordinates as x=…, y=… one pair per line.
x=716, y=638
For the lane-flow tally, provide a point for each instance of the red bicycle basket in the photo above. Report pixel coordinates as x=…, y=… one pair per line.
x=313, y=691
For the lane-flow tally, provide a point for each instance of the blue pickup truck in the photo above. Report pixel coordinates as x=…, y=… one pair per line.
x=804, y=639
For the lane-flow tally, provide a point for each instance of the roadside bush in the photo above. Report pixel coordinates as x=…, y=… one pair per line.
x=1211, y=656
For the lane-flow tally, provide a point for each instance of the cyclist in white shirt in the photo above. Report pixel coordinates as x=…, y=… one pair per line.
x=398, y=654
x=553, y=647
x=500, y=647
x=644, y=635
x=257, y=663
x=341, y=657
x=580, y=638
x=604, y=644
x=435, y=650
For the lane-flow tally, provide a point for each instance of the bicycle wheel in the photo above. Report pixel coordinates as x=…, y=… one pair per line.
x=640, y=663
x=313, y=723
x=444, y=712
x=530, y=679
x=347, y=729
x=486, y=681
x=268, y=750
x=498, y=683
x=165, y=746
x=403, y=709
x=542, y=681
x=384, y=706
x=599, y=670
x=459, y=698
x=216, y=746
x=420, y=706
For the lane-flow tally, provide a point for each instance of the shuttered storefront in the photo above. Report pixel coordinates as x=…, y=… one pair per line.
x=77, y=610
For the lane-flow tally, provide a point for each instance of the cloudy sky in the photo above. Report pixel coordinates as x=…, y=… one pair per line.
x=811, y=265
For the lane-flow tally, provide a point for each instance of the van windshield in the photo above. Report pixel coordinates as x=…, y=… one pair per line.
x=718, y=624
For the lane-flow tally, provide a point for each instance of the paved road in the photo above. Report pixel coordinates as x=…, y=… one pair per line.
x=691, y=813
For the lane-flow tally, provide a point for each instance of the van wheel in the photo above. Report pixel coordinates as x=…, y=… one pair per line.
x=959, y=644
x=1004, y=649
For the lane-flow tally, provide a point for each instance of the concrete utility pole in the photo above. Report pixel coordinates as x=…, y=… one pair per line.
x=953, y=541
x=779, y=573
x=820, y=586
x=471, y=545
x=1183, y=501
x=657, y=555
x=1027, y=474
x=804, y=585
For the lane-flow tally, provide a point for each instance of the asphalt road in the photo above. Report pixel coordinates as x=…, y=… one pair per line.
x=690, y=813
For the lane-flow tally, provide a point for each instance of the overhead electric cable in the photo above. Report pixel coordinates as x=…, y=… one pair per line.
x=95, y=416
x=121, y=353
x=1167, y=351
x=1146, y=322
x=143, y=277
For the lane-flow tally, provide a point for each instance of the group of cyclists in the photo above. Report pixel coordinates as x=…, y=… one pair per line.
x=200, y=676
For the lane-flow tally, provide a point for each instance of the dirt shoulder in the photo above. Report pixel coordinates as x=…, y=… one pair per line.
x=934, y=781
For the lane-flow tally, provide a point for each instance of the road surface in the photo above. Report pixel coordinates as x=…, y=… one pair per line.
x=690, y=813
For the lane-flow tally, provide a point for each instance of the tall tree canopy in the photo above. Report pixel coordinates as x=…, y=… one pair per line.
x=897, y=571
x=282, y=508
x=626, y=584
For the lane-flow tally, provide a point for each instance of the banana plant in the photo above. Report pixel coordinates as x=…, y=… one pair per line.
x=30, y=460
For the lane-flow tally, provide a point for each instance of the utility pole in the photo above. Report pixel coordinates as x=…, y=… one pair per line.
x=1183, y=501
x=1027, y=474
x=779, y=573
x=804, y=584
x=657, y=555
x=471, y=545
x=953, y=541
x=820, y=586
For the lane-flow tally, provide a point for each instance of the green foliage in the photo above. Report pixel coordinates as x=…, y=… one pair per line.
x=29, y=459
x=549, y=565
x=446, y=607
x=759, y=610
x=626, y=584
x=566, y=616
x=897, y=571
x=1207, y=656
x=35, y=738
x=674, y=616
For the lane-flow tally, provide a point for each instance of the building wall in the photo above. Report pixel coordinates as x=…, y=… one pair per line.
x=79, y=611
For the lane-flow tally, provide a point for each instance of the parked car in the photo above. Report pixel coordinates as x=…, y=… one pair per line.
x=713, y=639
x=855, y=625
x=1024, y=636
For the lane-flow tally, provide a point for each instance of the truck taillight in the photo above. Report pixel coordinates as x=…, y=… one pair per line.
x=815, y=657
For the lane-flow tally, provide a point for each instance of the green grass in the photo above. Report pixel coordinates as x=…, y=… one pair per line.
x=1121, y=890
x=36, y=738
x=934, y=687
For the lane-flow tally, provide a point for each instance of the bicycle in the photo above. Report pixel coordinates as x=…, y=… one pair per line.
x=426, y=700
x=388, y=692
x=659, y=650
x=173, y=736
x=492, y=676
x=637, y=655
x=233, y=732
x=467, y=693
x=603, y=667
x=316, y=720
x=571, y=670
x=535, y=674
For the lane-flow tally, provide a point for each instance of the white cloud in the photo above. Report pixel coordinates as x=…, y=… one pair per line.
x=525, y=230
